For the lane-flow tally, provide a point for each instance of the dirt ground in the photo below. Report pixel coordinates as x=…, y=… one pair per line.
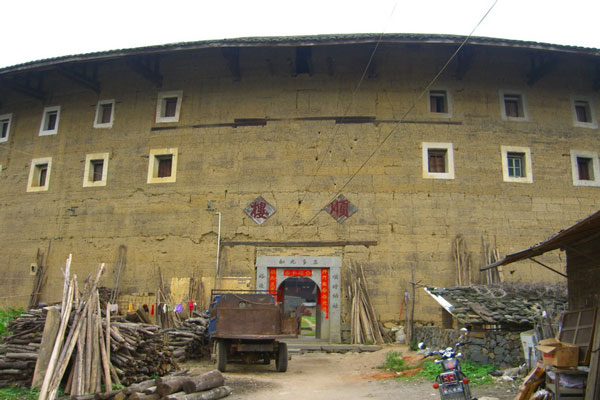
x=316, y=376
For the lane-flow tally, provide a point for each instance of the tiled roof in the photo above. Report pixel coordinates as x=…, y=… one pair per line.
x=520, y=304
x=283, y=41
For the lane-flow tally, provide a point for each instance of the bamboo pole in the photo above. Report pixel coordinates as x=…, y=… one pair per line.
x=103, y=350
x=65, y=314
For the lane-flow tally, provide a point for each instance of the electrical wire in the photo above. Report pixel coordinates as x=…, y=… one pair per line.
x=395, y=128
x=321, y=156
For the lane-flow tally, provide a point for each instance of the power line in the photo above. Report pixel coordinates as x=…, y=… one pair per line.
x=395, y=128
x=322, y=156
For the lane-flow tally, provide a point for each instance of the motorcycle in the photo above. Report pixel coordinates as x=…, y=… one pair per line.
x=451, y=382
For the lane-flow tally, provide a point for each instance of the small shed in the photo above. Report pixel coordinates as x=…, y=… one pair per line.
x=581, y=243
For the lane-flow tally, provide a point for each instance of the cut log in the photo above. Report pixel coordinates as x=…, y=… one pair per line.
x=213, y=394
x=202, y=382
x=142, y=396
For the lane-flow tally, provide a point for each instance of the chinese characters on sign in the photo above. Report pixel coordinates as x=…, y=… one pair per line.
x=297, y=272
x=340, y=209
x=259, y=210
x=325, y=291
x=273, y=281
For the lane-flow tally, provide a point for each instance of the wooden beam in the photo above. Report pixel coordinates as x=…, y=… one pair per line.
x=365, y=243
x=540, y=66
x=26, y=88
x=79, y=74
x=232, y=56
x=148, y=68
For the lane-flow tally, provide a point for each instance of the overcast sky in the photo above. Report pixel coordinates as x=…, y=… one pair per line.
x=34, y=30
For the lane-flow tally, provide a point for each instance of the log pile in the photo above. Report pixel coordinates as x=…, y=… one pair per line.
x=365, y=327
x=188, y=340
x=138, y=352
x=208, y=386
x=19, y=350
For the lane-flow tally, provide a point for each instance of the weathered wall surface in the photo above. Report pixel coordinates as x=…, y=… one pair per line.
x=414, y=220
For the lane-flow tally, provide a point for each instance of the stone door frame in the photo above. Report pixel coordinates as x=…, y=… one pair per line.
x=331, y=326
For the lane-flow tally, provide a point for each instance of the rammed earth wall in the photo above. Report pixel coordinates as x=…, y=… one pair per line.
x=496, y=348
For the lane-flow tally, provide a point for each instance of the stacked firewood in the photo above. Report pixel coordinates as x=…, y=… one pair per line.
x=189, y=339
x=138, y=351
x=19, y=350
x=365, y=326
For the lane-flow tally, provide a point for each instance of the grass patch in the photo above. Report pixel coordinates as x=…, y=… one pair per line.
x=6, y=316
x=309, y=324
x=477, y=373
x=394, y=362
x=16, y=393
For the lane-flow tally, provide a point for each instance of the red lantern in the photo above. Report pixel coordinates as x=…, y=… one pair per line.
x=466, y=381
x=436, y=385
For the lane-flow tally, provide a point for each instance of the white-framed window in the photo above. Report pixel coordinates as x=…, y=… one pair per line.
x=5, y=120
x=438, y=160
x=96, y=169
x=105, y=114
x=168, y=106
x=162, y=165
x=440, y=102
x=584, y=115
x=50, y=119
x=516, y=164
x=39, y=174
x=513, y=106
x=585, y=168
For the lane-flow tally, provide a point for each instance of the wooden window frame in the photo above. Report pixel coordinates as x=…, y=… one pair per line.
x=521, y=101
x=5, y=120
x=88, y=173
x=154, y=162
x=588, y=104
x=526, y=167
x=35, y=170
x=161, y=106
x=430, y=147
x=98, y=123
x=45, y=116
x=594, y=168
x=446, y=96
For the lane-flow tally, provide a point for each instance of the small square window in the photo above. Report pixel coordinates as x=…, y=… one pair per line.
x=39, y=174
x=438, y=102
x=5, y=127
x=168, y=106
x=585, y=168
x=513, y=106
x=96, y=168
x=583, y=113
x=104, y=114
x=162, y=166
x=50, y=120
x=438, y=161
x=516, y=164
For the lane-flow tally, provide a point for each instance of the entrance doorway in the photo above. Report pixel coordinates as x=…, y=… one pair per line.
x=300, y=297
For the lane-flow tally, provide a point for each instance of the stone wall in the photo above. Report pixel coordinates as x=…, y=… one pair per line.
x=495, y=347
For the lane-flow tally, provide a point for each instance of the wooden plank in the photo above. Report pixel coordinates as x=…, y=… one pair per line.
x=48, y=339
x=593, y=383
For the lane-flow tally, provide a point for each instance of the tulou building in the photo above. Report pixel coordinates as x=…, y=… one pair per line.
x=276, y=163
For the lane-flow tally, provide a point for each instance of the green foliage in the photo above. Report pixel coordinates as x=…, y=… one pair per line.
x=6, y=316
x=394, y=361
x=477, y=373
x=413, y=345
x=15, y=393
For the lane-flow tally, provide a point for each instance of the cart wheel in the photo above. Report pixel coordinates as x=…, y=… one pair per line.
x=221, y=355
x=282, y=358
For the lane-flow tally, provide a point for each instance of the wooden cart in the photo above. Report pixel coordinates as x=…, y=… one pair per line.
x=246, y=326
